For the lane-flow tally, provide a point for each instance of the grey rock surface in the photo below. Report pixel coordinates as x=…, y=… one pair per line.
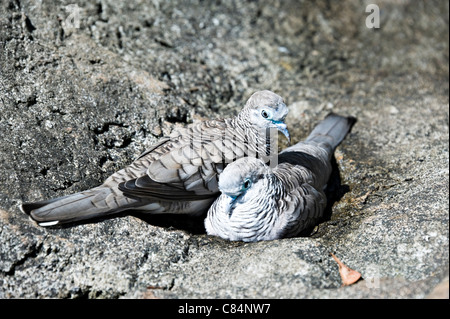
x=85, y=89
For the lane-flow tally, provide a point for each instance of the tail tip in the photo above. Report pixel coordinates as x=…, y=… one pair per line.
x=47, y=224
x=27, y=208
x=350, y=119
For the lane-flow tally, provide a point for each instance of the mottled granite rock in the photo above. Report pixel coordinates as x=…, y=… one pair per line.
x=80, y=101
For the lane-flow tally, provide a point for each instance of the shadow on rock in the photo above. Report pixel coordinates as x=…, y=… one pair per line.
x=334, y=192
x=192, y=224
x=195, y=224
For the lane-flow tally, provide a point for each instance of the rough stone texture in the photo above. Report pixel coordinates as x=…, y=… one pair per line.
x=77, y=104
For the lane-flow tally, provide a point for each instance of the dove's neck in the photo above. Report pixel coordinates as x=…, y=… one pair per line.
x=257, y=141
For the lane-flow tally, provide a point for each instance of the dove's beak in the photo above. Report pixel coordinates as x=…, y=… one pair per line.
x=229, y=204
x=282, y=127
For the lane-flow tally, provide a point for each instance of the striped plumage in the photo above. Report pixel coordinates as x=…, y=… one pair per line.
x=263, y=203
x=179, y=174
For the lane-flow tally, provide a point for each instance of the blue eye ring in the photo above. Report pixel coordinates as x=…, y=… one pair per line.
x=265, y=114
x=247, y=183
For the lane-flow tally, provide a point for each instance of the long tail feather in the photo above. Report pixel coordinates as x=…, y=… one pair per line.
x=331, y=130
x=84, y=205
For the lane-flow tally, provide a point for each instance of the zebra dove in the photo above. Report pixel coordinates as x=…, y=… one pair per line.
x=179, y=174
x=261, y=203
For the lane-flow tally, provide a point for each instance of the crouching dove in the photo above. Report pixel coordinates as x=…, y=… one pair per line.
x=179, y=174
x=261, y=203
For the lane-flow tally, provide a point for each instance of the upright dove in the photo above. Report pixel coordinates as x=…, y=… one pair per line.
x=178, y=174
x=263, y=203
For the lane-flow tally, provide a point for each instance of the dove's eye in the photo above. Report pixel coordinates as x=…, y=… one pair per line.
x=265, y=114
x=247, y=184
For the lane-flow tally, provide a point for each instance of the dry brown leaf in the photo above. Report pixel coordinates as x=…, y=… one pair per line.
x=348, y=275
x=148, y=294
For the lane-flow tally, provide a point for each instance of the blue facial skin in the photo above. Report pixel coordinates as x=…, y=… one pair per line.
x=280, y=125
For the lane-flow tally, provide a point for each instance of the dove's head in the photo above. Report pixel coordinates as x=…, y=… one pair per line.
x=242, y=176
x=247, y=209
x=266, y=109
